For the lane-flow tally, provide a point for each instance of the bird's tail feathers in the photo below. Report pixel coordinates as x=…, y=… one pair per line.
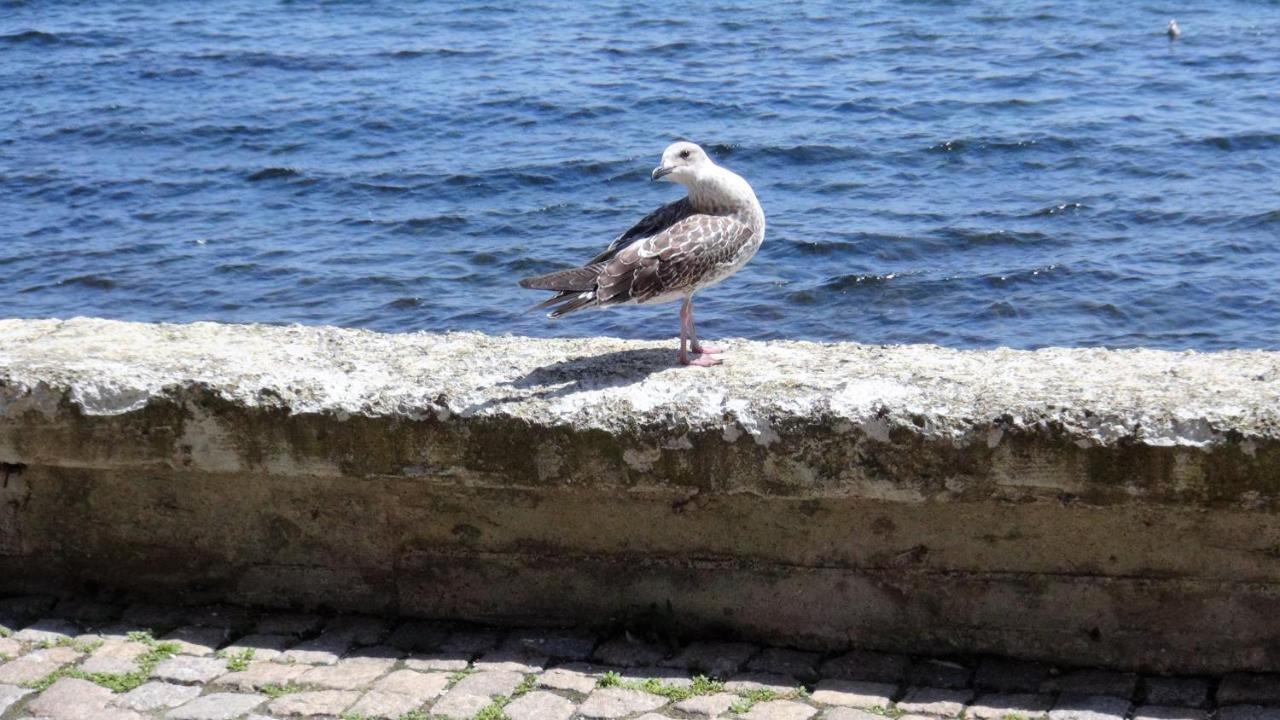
x=566, y=302
x=572, y=280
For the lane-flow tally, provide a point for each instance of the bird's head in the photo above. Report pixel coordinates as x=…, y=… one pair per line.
x=682, y=162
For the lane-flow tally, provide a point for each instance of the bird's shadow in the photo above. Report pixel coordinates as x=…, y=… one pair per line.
x=594, y=372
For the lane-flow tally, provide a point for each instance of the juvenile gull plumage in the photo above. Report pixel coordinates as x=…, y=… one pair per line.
x=675, y=251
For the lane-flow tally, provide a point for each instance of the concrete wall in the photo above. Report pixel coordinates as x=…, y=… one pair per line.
x=1088, y=506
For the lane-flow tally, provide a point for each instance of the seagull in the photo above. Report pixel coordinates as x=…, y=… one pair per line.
x=673, y=252
x=1174, y=31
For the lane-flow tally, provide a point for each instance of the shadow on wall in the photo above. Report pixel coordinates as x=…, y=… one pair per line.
x=594, y=372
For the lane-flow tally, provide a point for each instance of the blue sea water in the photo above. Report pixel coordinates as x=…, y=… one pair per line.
x=1004, y=172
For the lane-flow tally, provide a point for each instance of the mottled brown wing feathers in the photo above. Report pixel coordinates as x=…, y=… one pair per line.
x=651, y=224
x=672, y=261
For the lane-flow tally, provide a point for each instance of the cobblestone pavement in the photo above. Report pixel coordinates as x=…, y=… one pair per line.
x=80, y=660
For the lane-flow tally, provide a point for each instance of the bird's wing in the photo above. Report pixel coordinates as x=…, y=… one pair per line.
x=673, y=260
x=650, y=225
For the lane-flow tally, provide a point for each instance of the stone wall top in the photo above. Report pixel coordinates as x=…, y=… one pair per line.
x=1093, y=397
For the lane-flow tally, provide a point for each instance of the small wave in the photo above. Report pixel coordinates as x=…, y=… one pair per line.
x=1058, y=209
x=982, y=145
x=405, y=303
x=852, y=280
x=35, y=37
x=812, y=154
x=1243, y=141
x=442, y=52
x=967, y=237
x=272, y=173
x=96, y=282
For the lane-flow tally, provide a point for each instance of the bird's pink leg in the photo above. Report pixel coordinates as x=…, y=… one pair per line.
x=701, y=356
x=682, y=356
x=693, y=335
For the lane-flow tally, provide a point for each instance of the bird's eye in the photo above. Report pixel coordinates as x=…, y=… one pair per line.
x=684, y=154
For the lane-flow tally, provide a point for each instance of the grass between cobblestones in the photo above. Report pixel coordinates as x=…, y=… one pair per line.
x=702, y=685
x=274, y=690
x=5, y=632
x=237, y=661
x=118, y=683
x=493, y=711
x=889, y=712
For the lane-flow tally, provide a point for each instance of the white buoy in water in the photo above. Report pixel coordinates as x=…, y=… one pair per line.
x=1174, y=31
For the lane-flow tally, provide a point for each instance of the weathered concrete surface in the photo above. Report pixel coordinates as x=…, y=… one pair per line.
x=1085, y=506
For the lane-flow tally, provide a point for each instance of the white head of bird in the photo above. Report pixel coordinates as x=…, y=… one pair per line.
x=711, y=187
x=684, y=163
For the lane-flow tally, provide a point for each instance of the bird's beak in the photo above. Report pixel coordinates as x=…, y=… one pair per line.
x=660, y=172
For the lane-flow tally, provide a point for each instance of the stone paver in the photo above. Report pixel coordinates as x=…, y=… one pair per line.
x=1089, y=707
x=575, y=677
x=713, y=705
x=399, y=693
x=558, y=644
x=864, y=665
x=845, y=713
x=323, y=650
x=1009, y=676
x=1176, y=691
x=313, y=703
x=348, y=673
x=264, y=647
x=217, y=706
x=1249, y=689
x=75, y=699
x=521, y=661
x=378, y=704
x=780, y=710
x=997, y=705
x=9, y=648
x=939, y=674
x=624, y=653
x=784, y=661
x=48, y=630
x=935, y=701
x=440, y=662
x=10, y=695
x=294, y=624
x=489, y=684
x=342, y=672
x=539, y=705
x=1165, y=712
x=665, y=675
x=156, y=696
x=749, y=682
x=197, y=640
x=471, y=641
x=413, y=683
x=188, y=670
x=115, y=657
x=713, y=658
x=459, y=706
x=853, y=693
x=359, y=630
x=1092, y=682
x=418, y=636
x=261, y=674
x=36, y=665
x=1248, y=712
x=618, y=703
